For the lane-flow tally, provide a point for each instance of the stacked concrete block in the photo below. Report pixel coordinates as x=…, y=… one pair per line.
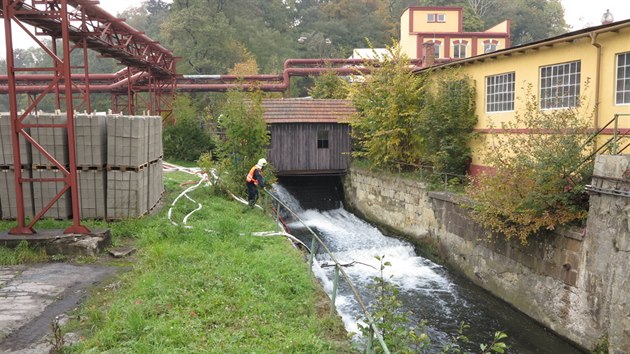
x=90, y=132
x=8, y=201
x=6, y=144
x=54, y=140
x=118, y=159
x=126, y=194
x=127, y=138
x=92, y=193
x=156, y=184
x=154, y=145
x=44, y=192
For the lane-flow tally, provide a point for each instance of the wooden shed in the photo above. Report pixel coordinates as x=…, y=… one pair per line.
x=309, y=136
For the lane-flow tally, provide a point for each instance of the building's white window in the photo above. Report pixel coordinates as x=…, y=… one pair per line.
x=490, y=46
x=431, y=18
x=500, y=92
x=560, y=85
x=622, y=90
x=459, y=49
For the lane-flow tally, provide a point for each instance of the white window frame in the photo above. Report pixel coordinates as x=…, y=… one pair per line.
x=500, y=92
x=622, y=79
x=559, y=85
x=436, y=18
x=490, y=46
x=459, y=49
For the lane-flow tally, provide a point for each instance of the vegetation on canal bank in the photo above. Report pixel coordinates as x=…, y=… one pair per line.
x=210, y=289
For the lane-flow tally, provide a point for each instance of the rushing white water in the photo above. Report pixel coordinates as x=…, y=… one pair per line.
x=427, y=290
x=351, y=239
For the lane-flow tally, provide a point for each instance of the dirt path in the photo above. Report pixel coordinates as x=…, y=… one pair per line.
x=32, y=296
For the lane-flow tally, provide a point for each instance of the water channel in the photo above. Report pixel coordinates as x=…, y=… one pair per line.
x=430, y=291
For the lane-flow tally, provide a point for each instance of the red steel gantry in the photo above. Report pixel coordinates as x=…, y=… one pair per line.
x=77, y=24
x=150, y=68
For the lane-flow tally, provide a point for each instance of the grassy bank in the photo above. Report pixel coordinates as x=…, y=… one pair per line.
x=210, y=289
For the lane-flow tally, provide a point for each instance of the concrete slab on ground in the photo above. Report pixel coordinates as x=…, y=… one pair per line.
x=31, y=298
x=56, y=242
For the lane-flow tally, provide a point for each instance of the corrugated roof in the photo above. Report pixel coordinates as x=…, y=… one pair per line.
x=300, y=110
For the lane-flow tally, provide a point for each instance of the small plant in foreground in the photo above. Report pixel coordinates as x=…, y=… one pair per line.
x=23, y=253
x=395, y=325
x=397, y=330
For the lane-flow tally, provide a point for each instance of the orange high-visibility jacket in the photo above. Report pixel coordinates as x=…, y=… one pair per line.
x=250, y=175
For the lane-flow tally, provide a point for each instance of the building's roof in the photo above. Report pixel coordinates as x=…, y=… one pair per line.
x=566, y=38
x=306, y=110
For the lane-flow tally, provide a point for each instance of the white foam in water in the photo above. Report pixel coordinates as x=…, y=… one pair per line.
x=351, y=239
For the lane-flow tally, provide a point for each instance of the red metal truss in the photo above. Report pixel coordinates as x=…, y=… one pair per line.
x=76, y=25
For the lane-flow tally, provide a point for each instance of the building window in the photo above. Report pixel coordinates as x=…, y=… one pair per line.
x=322, y=139
x=623, y=79
x=432, y=18
x=500, y=93
x=459, y=49
x=560, y=85
x=490, y=46
x=436, y=45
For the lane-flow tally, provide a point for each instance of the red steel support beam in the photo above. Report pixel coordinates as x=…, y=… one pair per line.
x=61, y=79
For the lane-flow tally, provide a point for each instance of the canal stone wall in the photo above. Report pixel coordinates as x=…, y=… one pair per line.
x=574, y=282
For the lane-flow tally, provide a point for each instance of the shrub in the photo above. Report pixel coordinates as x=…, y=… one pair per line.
x=188, y=138
x=539, y=176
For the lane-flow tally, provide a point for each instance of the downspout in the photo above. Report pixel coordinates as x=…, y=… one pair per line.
x=594, y=43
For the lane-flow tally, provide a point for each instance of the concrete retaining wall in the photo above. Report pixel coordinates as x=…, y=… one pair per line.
x=119, y=166
x=575, y=283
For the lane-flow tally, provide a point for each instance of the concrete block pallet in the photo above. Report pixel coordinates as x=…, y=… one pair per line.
x=8, y=204
x=44, y=192
x=6, y=145
x=119, y=166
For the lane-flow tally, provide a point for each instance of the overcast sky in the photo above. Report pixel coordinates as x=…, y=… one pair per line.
x=578, y=14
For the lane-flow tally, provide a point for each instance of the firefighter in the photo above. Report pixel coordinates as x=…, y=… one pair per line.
x=254, y=180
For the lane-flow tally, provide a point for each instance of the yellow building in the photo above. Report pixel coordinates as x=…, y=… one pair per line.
x=592, y=63
x=442, y=26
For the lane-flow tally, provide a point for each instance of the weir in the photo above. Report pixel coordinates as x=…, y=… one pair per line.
x=428, y=290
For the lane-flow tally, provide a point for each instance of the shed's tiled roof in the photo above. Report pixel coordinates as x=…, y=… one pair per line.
x=300, y=110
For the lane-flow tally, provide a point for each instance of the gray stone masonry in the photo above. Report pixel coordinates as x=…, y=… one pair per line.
x=575, y=282
x=606, y=253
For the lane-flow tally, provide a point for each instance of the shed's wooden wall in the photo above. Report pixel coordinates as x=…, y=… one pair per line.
x=294, y=148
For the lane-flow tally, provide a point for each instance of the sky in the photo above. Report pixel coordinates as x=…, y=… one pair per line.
x=578, y=14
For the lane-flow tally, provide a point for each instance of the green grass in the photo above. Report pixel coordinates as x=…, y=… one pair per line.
x=210, y=289
x=23, y=253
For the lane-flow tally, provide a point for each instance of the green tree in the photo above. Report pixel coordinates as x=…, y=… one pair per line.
x=329, y=85
x=188, y=138
x=539, y=176
x=450, y=121
x=530, y=20
x=244, y=137
x=388, y=125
